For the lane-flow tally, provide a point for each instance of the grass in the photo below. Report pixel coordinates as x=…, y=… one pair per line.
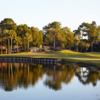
x=63, y=54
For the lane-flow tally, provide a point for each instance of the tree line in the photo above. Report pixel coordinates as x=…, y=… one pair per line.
x=52, y=35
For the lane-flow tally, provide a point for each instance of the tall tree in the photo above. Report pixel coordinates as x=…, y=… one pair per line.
x=23, y=31
x=51, y=30
x=8, y=23
x=37, y=37
x=8, y=28
x=90, y=29
x=18, y=42
x=28, y=38
x=69, y=37
x=55, y=35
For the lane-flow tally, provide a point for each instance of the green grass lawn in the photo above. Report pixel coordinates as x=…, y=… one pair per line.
x=64, y=54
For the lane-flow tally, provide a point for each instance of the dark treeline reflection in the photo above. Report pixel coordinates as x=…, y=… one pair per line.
x=14, y=75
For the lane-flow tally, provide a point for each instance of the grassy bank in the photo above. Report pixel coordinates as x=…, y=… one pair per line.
x=64, y=54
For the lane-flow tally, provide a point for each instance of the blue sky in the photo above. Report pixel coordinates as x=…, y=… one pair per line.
x=38, y=13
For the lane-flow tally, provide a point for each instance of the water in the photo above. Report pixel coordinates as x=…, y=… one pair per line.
x=23, y=81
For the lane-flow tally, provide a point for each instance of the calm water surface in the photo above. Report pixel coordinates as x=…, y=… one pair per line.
x=22, y=81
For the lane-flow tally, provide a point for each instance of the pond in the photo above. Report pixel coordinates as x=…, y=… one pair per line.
x=24, y=81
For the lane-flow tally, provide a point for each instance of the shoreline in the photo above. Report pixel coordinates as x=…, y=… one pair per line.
x=54, y=57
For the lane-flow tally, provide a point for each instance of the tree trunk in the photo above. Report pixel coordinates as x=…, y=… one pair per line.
x=77, y=48
x=91, y=46
x=1, y=51
x=17, y=48
x=27, y=45
x=2, y=48
x=8, y=46
x=11, y=46
x=54, y=44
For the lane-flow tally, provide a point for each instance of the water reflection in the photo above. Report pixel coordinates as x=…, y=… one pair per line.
x=14, y=75
x=55, y=77
x=88, y=75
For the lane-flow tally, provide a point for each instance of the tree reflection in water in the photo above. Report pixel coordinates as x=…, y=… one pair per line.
x=88, y=75
x=61, y=74
x=14, y=75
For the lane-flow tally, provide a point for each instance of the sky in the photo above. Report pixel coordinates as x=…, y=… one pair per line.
x=39, y=13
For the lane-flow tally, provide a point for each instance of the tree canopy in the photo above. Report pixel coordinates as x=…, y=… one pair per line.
x=53, y=35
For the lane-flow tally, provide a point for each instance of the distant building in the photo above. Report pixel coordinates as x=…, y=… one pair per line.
x=81, y=35
x=84, y=35
x=3, y=50
x=35, y=49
